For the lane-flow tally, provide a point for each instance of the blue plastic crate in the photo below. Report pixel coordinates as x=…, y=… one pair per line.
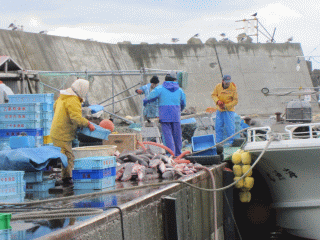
x=204, y=142
x=91, y=163
x=93, y=174
x=16, y=198
x=38, y=195
x=45, y=185
x=22, y=142
x=47, y=115
x=16, y=132
x=12, y=189
x=33, y=177
x=188, y=121
x=21, y=124
x=25, y=142
x=46, y=131
x=17, y=116
x=5, y=234
x=31, y=98
x=11, y=177
x=46, y=124
x=18, y=235
x=46, y=106
x=99, y=132
x=94, y=183
x=20, y=107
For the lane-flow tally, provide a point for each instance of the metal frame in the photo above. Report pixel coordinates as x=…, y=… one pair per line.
x=143, y=73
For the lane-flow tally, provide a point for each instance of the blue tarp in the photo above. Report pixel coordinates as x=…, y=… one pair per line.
x=30, y=159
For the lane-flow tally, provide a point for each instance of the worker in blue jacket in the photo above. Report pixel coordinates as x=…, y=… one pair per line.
x=150, y=110
x=172, y=101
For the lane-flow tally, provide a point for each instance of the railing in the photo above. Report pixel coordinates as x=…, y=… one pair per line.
x=308, y=130
x=297, y=131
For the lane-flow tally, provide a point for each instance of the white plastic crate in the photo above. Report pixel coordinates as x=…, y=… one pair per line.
x=91, y=163
x=20, y=107
x=17, y=116
x=94, y=183
x=31, y=98
x=32, y=177
x=42, y=186
x=20, y=124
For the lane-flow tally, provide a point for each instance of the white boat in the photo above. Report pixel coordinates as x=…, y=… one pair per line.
x=291, y=169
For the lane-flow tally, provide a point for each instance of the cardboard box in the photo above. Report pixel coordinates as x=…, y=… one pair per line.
x=125, y=141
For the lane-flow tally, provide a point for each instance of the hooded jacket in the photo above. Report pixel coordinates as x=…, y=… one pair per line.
x=68, y=113
x=172, y=101
x=228, y=96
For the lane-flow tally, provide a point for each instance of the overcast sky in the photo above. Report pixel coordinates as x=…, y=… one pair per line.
x=158, y=21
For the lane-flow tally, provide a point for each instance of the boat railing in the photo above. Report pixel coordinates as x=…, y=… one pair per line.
x=303, y=131
x=258, y=134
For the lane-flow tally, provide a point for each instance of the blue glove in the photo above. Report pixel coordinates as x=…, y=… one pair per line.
x=145, y=101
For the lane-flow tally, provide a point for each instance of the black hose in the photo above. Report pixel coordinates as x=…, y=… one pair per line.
x=121, y=218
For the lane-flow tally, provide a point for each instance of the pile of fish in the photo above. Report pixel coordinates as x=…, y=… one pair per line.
x=145, y=165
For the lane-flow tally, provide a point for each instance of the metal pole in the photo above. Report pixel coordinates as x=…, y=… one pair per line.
x=112, y=93
x=117, y=116
x=120, y=100
x=120, y=93
x=141, y=102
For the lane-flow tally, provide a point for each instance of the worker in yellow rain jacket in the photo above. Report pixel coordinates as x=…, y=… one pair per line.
x=225, y=95
x=67, y=118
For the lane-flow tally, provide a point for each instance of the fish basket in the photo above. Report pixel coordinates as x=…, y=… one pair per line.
x=32, y=177
x=31, y=98
x=94, y=183
x=94, y=174
x=41, y=186
x=94, y=151
x=46, y=107
x=16, y=132
x=91, y=163
x=99, y=132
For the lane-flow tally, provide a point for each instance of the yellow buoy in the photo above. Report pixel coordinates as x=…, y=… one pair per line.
x=248, y=182
x=245, y=196
x=237, y=170
x=246, y=158
x=239, y=184
x=236, y=158
x=245, y=169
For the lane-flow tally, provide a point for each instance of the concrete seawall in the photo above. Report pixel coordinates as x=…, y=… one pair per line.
x=252, y=67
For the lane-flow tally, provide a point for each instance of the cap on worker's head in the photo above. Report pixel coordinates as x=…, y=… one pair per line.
x=226, y=78
x=80, y=87
x=171, y=76
x=154, y=80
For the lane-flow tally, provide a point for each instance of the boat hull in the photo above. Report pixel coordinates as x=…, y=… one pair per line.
x=291, y=169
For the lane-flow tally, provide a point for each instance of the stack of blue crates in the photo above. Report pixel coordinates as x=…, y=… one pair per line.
x=12, y=186
x=29, y=113
x=94, y=172
x=37, y=183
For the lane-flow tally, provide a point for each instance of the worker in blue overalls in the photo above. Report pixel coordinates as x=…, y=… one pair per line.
x=150, y=110
x=172, y=101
